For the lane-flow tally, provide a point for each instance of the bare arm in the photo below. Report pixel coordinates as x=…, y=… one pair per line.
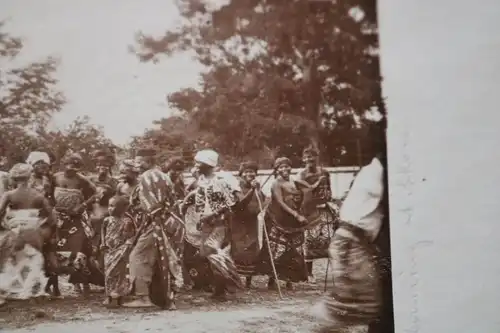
x=103, y=234
x=4, y=202
x=49, y=212
x=277, y=195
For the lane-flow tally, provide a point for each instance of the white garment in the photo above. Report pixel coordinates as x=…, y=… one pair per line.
x=362, y=206
x=38, y=156
x=208, y=157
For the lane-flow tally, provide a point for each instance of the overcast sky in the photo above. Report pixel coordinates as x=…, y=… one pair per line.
x=99, y=76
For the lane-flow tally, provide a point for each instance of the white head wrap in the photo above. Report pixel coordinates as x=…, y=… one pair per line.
x=38, y=156
x=208, y=157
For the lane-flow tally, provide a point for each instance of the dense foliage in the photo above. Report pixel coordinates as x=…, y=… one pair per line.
x=280, y=75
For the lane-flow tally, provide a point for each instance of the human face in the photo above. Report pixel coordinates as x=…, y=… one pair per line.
x=284, y=171
x=127, y=176
x=203, y=169
x=310, y=160
x=113, y=208
x=72, y=168
x=143, y=163
x=102, y=167
x=248, y=175
x=41, y=168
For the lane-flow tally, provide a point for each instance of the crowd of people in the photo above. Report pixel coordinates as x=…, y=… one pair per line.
x=146, y=235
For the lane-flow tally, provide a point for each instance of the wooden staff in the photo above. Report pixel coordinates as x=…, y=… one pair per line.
x=269, y=247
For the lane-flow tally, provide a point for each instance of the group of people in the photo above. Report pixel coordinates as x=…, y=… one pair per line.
x=146, y=235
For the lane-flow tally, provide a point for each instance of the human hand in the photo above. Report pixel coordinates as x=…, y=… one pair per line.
x=301, y=219
x=255, y=184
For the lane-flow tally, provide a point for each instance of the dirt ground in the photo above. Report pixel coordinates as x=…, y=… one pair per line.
x=249, y=311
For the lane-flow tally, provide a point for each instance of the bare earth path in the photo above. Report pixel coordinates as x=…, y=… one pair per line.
x=250, y=311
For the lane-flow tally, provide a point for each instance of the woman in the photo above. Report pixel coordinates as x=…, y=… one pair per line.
x=284, y=224
x=318, y=237
x=29, y=225
x=356, y=298
x=40, y=178
x=72, y=193
x=246, y=240
x=214, y=199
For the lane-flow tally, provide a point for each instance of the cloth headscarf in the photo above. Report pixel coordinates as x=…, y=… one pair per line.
x=128, y=165
x=282, y=160
x=20, y=171
x=38, y=156
x=208, y=157
x=248, y=166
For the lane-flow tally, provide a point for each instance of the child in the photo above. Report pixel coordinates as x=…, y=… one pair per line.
x=117, y=234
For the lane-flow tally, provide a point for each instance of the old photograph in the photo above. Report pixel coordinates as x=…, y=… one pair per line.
x=193, y=166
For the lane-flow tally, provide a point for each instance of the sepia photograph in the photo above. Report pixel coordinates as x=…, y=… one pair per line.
x=193, y=166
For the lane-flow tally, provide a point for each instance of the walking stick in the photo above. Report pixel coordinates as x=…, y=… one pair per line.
x=269, y=248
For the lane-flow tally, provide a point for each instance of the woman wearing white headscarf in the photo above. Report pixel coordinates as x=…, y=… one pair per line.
x=40, y=178
x=214, y=200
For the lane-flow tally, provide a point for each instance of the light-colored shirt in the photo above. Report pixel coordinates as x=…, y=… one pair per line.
x=362, y=206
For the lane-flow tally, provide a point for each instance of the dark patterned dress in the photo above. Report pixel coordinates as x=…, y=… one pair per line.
x=246, y=231
x=286, y=240
x=319, y=235
x=73, y=236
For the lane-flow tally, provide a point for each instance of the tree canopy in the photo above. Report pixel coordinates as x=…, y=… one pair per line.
x=280, y=75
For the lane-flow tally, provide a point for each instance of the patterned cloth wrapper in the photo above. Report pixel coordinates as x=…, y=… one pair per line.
x=115, y=233
x=156, y=196
x=20, y=248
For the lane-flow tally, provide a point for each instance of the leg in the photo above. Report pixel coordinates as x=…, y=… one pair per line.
x=86, y=290
x=249, y=281
x=107, y=301
x=271, y=283
x=310, y=275
x=142, y=261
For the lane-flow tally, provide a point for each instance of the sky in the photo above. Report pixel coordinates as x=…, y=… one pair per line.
x=98, y=75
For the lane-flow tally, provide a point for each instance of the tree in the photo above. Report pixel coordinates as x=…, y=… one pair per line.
x=81, y=136
x=28, y=98
x=274, y=69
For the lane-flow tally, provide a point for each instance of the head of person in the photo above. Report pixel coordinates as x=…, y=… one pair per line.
x=40, y=162
x=118, y=205
x=174, y=168
x=283, y=167
x=103, y=162
x=206, y=161
x=248, y=171
x=129, y=171
x=373, y=144
x=310, y=157
x=20, y=173
x=145, y=159
x=72, y=164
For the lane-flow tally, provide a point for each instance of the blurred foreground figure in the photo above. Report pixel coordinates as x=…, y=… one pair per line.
x=27, y=227
x=355, y=301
